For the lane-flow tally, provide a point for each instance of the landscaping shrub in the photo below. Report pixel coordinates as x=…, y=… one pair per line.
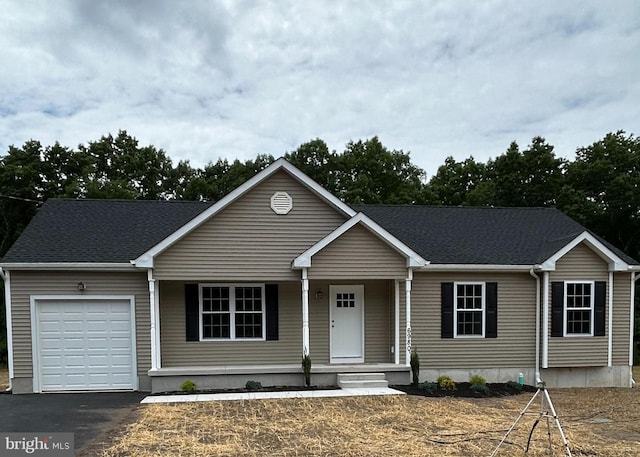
x=306, y=368
x=253, y=385
x=415, y=366
x=429, y=387
x=514, y=385
x=446, y=383
x=188, y=386
x=479, y=387
x=476, y=379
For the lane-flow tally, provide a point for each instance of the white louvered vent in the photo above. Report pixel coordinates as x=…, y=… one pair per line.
x=281, y=203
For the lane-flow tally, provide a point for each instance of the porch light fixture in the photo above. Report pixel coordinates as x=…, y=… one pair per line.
x=81, y=286
x=319, y=295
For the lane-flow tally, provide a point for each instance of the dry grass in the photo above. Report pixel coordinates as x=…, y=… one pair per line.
x=4, y=378
x=384, y=426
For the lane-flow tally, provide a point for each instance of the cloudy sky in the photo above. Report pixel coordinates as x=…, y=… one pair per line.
x=232, y=79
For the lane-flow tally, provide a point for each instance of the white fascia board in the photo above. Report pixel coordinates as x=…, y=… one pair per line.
x=69, y=266
x=475, y=267
x=615, y=262
x=414, y=260
x=146, y=259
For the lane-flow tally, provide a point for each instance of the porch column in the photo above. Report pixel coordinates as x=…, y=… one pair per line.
x=154, y=305
x=396, y=344
x=408, y=315
x=305, y=312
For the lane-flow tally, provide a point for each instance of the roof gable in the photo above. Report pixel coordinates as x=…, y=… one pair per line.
x=146, y=259
x=614, y=261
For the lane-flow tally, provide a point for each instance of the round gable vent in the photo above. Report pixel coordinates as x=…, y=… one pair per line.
x=281, y=203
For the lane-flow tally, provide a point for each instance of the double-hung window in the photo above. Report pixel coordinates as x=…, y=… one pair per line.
x=469, y=312
x=232, y=311
x=579, y=308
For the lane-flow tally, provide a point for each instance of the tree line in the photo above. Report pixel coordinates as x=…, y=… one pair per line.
x=599, y=187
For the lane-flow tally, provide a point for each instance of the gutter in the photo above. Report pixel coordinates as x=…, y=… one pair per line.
x=474, y=267
x=70, y=266
x=537, y=278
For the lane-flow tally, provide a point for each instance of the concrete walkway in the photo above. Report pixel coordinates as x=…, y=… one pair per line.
x=360, y=392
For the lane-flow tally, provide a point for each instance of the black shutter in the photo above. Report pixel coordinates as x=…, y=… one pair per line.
x=447, y=310
x=192, y=311
x=600, y=304
x=491, y=326
x=557, y=308
x=271, y=302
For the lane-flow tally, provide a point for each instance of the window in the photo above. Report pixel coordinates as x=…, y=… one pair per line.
x=232, y=311
x=579, y=306
x=469, y=303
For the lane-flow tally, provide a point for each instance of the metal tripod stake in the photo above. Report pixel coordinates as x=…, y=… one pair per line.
x=547, y=411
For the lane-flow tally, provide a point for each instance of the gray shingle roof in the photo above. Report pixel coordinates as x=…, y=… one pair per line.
x=480, y=235
x=117, y=231
x=99, y=230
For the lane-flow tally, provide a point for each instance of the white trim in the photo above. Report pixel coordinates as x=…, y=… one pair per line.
x=71, y=266
x=545, y=320
x=413, y=258
x=632, y=317
x=33, y=301
x=537, y=278
x=7, y=301
x=409, y=342
x=232, y=312
x=305, y=313
x=396, y=337
x=434, y=267
x=615, y=262
x=610, y=318
x=146, y=259
x=592, y=308
x=482, y=311
x=154, y=318
x=359, y=288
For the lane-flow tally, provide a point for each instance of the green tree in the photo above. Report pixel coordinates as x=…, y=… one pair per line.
x=459, y=184
x=367, y=172
x=316, y=161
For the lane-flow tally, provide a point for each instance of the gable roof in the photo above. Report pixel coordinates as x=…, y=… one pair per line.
x=98, y=231
x=481, y=235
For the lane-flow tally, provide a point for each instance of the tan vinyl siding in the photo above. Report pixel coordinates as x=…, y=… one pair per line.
x=621, y=318
x=247, y=240
x=515, y=344
x=581, y=263
x=358, y=254
x=27, y=283
x=177, y=352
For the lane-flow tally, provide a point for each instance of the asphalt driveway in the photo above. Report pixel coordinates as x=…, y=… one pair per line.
x=87, y=415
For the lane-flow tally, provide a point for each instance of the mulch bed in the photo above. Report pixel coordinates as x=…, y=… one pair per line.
x=463, y=390
x=245, y=390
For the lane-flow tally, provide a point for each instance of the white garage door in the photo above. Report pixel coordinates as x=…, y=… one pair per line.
x=84, y=345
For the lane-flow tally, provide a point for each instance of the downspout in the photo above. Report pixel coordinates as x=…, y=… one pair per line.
x=6, y=277
x=610, y=323
x=537, y=278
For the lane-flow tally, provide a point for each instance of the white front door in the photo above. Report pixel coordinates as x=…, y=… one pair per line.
x=346, y=324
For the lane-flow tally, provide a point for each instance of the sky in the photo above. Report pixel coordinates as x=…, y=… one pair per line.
x=207, y=79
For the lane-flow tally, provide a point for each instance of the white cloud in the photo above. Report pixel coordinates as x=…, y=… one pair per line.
x=204, y=79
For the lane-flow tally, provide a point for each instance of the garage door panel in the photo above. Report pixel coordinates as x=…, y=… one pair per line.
x=85, y=345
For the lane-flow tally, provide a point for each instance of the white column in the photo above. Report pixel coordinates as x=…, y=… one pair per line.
x=7, y=302
x=305, y=312
x=631, y=317
x=610, y=313
x=408, y=315
x=545, y=320
x=154, y=309
x=396, y=344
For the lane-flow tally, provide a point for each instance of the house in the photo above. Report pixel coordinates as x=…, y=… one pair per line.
x=143, y=295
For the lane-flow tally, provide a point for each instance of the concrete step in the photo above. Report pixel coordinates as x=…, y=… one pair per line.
x=362, y=380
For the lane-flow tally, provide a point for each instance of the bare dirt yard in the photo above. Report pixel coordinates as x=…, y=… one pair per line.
x=597, y=422
x=4, y=378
